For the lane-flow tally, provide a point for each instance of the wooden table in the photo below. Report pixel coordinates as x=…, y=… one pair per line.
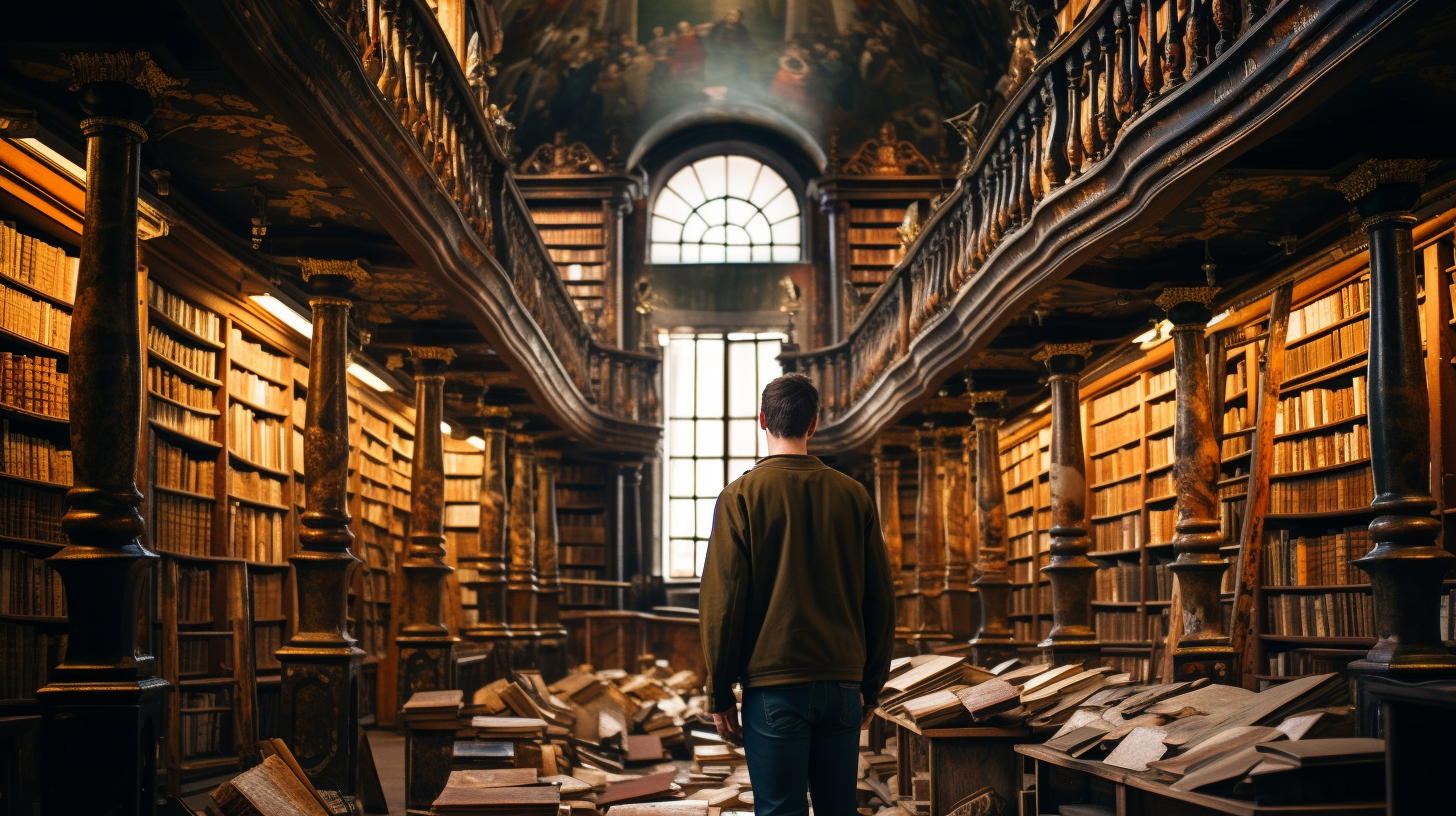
x=960, y=761
x=1053, y=779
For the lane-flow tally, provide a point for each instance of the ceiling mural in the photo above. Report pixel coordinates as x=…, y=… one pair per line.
x=605, y=71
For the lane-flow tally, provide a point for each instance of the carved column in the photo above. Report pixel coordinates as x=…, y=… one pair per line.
x=887, y=500
x=1405, y=563
x=932, y=630
x=551, y=651
x=102, y=709
x=426, y=646
x=1073, y=637
x=842, y=310
x=1203, y=648
x=490, y=626
x=521, y=577
x=995, y=640
x=957, y=603
x=633, y=563
x=321, y=662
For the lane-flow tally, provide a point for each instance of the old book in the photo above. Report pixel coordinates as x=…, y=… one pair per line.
x=509, y=727
x=484, y=751
x=1064, y=705
x=989, y=698
x=1048, y=677
x=269, y=789
x=937, y=708
x=652, y=786
x=1319, y=770
x=1220, y=775
x=1005, y=666
x=433, y=708
x=1137, y=749
x=1231, y=739
x=1079, y=738
x=683, y=807
x=1020, y=676
x=720, y=754
x=644, y=748
x=570, y=786
x=537, y=800
x=498, y=778
x=1272, y=704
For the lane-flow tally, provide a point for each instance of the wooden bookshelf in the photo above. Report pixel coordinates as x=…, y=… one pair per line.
x=587, y=552
x=1025, y=467
x=874, y=244
x=578, y=240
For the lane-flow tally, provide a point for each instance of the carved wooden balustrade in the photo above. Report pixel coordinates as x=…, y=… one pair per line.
x=406, y=56
x=1065, y=118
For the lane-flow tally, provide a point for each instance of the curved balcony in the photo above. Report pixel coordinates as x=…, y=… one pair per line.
x=1104, y=135
x=374, y=87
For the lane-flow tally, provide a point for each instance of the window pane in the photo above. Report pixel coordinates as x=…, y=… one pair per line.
x=742, y=380
x=769, y=184
x=769, y=368
x=737, y=235
x=680, y=478
x=664, y=253
x=682, y=521
x=739, y=211
x=710, y=477
x=762, y=254
x=786, y=232
x=670, y=205
x=690, y=253
x=713, y=174
x=715, y=212
x=665, y=231
x=685, y=184
x=694, y=229
x=680, y=437
x=759, y=230
x=710, y=378
x=680, y=374
x=742, y=172
x=705, y=516
x=741, y=438
x=738, y=467
x=716, y=253
x=702, y=556
x=710, y=437
x=739, y=254
x=786, y=254
x=782, y=206
x=682, y=561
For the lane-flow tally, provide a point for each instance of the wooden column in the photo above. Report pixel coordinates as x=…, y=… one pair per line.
x=521, y=575
x=932, y=630
x=321, y=661
x=1073, y=637
x=1405, y=564
x=887, y=500
x=632, y=559
x=490, y=563
x=102, y=709
x=957, y=599
x=995, y=638
x=1203, y=648
x=426, y=645
x=551, y=650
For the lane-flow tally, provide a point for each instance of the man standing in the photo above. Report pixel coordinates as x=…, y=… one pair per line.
x=797, y=605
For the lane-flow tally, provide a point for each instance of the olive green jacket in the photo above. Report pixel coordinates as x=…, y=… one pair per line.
x=797, y=584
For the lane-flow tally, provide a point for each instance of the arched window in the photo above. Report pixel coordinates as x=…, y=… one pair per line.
x=726, y=209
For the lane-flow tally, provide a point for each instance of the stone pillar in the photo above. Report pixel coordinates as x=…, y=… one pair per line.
x=551, y=650
x=426, y=645
x=932, y=630
x=1405, y=564
x=995, y=639
x=321, y=661
x=101, y=712
x=957, y=603
x=1203, y=648
x=1073, y=638
x=521, y=575
x=490, y=627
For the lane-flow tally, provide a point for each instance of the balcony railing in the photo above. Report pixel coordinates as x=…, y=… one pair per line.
x=406, y=56
x=1065, y=119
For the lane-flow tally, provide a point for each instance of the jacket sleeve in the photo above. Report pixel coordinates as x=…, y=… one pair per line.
x=879, y=610
x=723, y=601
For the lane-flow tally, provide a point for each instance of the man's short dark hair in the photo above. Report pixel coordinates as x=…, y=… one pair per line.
x=789, y=404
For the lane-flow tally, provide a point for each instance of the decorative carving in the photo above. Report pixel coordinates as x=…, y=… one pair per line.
x=1050, y=350
x=135, y=69
x=910, y=226
x=433, y=353
x=1374, y=172
x=968, y=126
x=1174, y=295
x=320, y=266
x=888, y=155
x=17, y=123
x=978, y=397
x=558, y=158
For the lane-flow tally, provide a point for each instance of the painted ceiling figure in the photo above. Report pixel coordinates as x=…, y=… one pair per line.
x=732, y=45
x=689, y=58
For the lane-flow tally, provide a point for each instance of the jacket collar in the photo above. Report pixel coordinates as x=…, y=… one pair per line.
x=787, y=461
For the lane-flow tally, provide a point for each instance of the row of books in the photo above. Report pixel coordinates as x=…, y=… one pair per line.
x=255, y=486
x=875, y=257
x=201, y=322
x=30, y=654
x=28, y=586
x=376, y=471
x=576, y=555
x=462, y=490
x=1031, y=631
x=249, y=386
x=37, y=264
x=1116, y=432
x=577, y=595
x=31, y=457
x=267, y=640
x=1119, y=464
x=176, y=469
x=581, y=236
x=1020, y=525
x=181, y=420
x=1120, y=583
x=257, y=534
x=31, y=514
x=193, y=656
x=1117, y=498
x=1295, y=663
x=1325, y=615
x=202, y=362
x=1022, y=547
x=1021, y=451
x=164, y=382
x=1346, y=490
x=1347, y=301
x=881, y=215
x=260, y=440
x=374, y=492
x=1236, y=418
x=1115, y=402
x=1160, y=451
x=1161, y=414
x=873, y=277
x=254, y=357
x=1327, y=349
x=874, y=235
x=181, y=524
x=1313, y=407
x=1022, y=471
x=462, y=515
x=1161, y=525
x=583, y=256
x=206, y=725
x=1236, y=381
x=1160, y=486
x=374, y=449
x=375, y=424
x=1163, y=381
x=267, y=595
x=1318, y=560
x=1124, y=533
x=1322, y=450
x=1121, y=626
x=1135, y=667
x=464, y=464
x=194, y=594
x=1232, y=446
x=1021, y=599
x=33, y=319
x=377, y=513
x=568, y=496
x=33, y=384
x=554, y=216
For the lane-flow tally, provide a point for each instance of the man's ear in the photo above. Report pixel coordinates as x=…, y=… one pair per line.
x=813, y=426
x=763, y=420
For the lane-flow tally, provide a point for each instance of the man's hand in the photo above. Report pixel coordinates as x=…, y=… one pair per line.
x=728, y=725
x=867, y=713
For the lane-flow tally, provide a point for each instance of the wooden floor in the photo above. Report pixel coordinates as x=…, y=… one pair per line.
x=388, y=749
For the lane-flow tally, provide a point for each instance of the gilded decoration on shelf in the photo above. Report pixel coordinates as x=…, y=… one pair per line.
x=561, y=159
x=432, y=353
x=910, y=226
x=888, y=155
x=968, y=126
x=322, y=266
x=1174, y=295
x=17, y=123
x=1051, y=350
x=135, y=69
x=1375, y=172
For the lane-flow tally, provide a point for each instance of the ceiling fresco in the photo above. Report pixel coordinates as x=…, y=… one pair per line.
x=606, y=71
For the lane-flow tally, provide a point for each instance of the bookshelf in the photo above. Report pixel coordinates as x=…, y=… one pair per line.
x=576, y=238
x=874, y=244
x=1025, y=468
x=581, y=523
x=464, y=466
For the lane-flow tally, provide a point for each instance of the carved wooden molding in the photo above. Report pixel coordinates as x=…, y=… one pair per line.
x=319, y=266
x=1375, y=172
x=1174, y=295
x=1051, y=350
x=888, y=155
x=557, y=158
x=134, y=68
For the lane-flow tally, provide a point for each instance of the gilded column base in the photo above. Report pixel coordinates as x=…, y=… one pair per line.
x=103, y=735
x=320, y=716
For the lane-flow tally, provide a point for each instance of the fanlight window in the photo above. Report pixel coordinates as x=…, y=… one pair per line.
x=726, y=209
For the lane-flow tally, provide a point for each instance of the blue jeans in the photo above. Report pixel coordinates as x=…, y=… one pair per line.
x=802, y=737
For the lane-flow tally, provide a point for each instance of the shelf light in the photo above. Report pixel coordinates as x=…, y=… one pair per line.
x=1042, y=407
x=445, y=428
x=475, y=442
x=284, y=312
x=1154, y=336
x=76, y=171
x=1219, y=318
x=368, y=377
